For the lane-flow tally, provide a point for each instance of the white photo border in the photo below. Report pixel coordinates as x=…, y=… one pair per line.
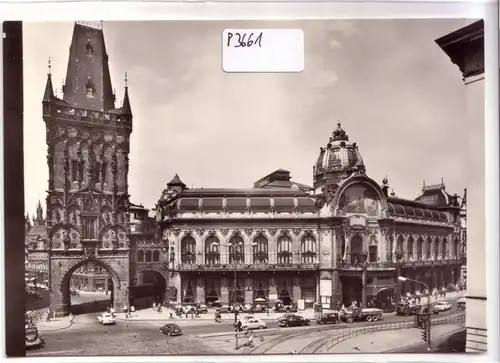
x=261, y=9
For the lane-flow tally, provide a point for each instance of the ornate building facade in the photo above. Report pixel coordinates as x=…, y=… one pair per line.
x=88, y=142
x=341, y=240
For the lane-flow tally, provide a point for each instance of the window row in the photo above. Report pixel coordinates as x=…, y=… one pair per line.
x=259, y=250
x=426, y=250
x=148, y=256
x=100, y=171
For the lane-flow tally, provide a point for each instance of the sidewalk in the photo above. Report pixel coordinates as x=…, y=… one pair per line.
x=385, y=341
x=53, y=325
x=151, y=315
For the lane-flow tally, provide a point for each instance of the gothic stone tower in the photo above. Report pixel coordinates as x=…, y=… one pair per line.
x=87, y=154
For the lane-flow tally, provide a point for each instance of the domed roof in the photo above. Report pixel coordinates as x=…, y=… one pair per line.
x=338, y=159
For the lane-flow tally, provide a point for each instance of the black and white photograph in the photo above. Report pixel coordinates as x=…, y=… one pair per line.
x=174, y=208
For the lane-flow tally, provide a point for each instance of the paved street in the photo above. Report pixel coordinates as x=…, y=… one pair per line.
x=88, y=338
x=200, y=336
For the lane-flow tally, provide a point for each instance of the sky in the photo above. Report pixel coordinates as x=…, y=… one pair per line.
x=394, y=90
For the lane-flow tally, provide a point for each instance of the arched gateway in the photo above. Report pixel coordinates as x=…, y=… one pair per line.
x=88, y=142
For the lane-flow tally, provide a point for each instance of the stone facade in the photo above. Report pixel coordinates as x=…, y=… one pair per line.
x=88, y=142
x=345, y=239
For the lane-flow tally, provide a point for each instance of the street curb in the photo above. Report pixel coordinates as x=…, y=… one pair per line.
x=398, y=350
x=55, y=329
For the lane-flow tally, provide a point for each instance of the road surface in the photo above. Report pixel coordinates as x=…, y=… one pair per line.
x=88, y=338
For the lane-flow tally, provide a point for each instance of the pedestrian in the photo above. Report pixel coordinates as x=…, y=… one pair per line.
x=154, y=305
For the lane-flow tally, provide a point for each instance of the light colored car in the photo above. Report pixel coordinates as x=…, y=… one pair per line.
x=106, y=319
x=250, y=324
x=442, y=306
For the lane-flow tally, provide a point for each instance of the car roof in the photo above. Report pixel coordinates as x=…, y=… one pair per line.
x=170, y=325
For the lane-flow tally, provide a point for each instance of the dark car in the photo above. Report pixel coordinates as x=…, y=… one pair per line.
x=171, y=329
x=202, y=309
x=406, y=309
x=329, y=318
x=294, y=320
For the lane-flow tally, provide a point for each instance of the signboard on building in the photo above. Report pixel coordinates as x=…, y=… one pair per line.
x=325, y=287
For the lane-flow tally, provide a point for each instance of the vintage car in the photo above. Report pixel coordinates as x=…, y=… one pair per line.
x=279, y=307
x=201, y=309
x=461, y=304
x=171, y=329
x=293, y=320
x=329, y=318
x=33, y=339
x=253, y=323
x=106, y=319
x=406, y=309
x=356, y=314
x=442, y=306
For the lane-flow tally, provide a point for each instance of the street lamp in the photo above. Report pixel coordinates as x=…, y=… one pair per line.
x=236, y=307
x=403, y=279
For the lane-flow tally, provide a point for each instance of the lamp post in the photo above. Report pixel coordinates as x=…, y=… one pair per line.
x=403, y=279
x=236, y=307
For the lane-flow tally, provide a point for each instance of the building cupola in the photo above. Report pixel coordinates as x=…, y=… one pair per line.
x=337, y=160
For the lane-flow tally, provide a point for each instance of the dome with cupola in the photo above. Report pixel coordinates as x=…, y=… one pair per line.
x=337, y=160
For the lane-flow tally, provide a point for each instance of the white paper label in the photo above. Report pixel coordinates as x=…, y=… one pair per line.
x=263, y=50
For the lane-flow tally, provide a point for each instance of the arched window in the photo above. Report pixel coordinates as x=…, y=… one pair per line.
x=140, y=256
x=188, y=250
x=284, y=250
x=308, y=249
x=148, y=256
x=357, y=250
x=409, y=249
x=260, y=250
x=420, y=248
x=212, y=251
x=436, y=248
x=156, y=256
x=236, y=250
x=428, y=248
x=444, y=251
x=400, y=244
x=456, y=251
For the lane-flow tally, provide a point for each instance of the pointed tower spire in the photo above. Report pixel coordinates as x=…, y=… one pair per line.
x=39, y=213
x=49, y=89
x=88, y=81
x=126, y=109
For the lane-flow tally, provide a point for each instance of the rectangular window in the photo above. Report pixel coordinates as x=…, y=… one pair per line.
x=74, y=170
x=95, y=173
x=82, y=171
x=90, y=228
x=104, y=172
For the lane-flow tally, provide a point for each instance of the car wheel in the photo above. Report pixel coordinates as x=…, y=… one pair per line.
x=375, y=318
x=169, y=334
x=319, y=323
x=369, y=318
x=261, y=326
x=350, y=320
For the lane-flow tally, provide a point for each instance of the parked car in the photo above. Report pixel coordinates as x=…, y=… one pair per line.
x=106, y=319
x=223, y=309
x=442, y=306
x=73, y=292
x=461, y=304
x=294, y=320
x=171, y=329
x=202, y=309
x=33, y=339
x=357, y=314
x=329, y=318
x=253, y=323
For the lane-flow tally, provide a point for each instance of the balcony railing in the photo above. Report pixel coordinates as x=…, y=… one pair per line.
x=81, y=115
x=388, y=265
x=246, y=267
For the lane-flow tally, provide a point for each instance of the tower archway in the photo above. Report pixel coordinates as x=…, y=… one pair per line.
x=62, y=271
